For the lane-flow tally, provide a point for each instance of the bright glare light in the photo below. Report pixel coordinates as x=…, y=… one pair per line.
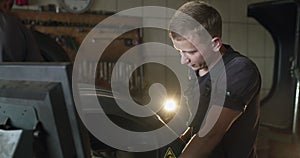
x=169, y=105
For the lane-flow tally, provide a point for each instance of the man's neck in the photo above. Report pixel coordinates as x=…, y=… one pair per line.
x=204, y=71
x=223, y=50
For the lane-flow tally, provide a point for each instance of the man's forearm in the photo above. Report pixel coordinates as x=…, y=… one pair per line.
x=204, y=142
x=200, y=147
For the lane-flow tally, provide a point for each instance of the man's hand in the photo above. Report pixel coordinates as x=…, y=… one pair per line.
x=187, y=135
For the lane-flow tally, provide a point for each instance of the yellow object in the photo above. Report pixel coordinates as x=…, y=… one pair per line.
x=169, y=153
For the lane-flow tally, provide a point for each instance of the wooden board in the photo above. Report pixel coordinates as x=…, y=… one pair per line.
x=77, y=26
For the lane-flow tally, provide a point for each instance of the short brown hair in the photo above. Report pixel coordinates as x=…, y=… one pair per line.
x=202, y=12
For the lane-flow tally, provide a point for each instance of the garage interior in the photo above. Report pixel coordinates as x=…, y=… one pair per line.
x=43, y=105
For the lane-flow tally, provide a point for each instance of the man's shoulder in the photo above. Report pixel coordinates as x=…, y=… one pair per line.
x=236, y=59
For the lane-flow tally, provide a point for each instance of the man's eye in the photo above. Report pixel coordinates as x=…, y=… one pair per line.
x=192, y=52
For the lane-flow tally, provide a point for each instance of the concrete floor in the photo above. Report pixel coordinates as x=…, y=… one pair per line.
x=278, y=143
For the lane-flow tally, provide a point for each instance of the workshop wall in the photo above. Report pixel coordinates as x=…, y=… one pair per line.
x=243, y=33
x=69, y=30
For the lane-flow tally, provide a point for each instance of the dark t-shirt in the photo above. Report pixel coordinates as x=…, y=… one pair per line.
x=17, y=43
x=242, y=94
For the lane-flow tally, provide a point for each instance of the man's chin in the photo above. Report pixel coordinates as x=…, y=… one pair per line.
x=195, y=68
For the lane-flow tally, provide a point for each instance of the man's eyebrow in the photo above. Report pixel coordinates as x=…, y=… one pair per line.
x=191, y=51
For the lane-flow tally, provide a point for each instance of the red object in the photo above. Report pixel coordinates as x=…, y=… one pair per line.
x=21, y=2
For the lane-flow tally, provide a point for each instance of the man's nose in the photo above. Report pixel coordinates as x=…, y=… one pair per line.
x=184, y=59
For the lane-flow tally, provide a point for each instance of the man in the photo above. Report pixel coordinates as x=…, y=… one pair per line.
x=230, y=127
x=17, y=43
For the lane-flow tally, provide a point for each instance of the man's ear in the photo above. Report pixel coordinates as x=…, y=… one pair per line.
x=216, y=44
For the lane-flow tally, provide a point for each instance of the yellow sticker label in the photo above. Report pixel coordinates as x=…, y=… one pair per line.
x=169, y=153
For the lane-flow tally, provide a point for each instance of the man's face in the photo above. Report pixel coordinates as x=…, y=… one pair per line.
x=190, y=55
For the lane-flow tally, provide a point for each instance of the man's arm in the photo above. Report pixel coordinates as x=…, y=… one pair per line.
x=210, y=135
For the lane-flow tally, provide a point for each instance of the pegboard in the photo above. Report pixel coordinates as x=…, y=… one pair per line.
x=77, y=26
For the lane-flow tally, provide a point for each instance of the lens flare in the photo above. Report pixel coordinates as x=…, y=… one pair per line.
x=170, y=105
